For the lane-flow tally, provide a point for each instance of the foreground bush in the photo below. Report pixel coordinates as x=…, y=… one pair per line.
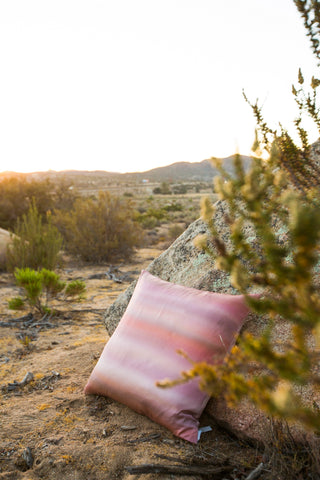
x=36, y=244
x=100, y=229
x=274, y=246
x=280, y=260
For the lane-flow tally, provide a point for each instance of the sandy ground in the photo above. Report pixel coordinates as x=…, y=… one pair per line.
x=49, y=429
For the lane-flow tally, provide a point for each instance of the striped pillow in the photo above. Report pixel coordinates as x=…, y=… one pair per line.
x=160, y=319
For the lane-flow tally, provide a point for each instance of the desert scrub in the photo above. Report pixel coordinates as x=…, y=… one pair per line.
x=40, y=287
x=164, y=189
x=173, y=207
x=99, y=229
x=35, y=244
x=17, y=195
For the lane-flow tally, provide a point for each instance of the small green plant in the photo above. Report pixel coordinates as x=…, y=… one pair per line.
x=51, y=284
x=40, y=287
x=30, y=281
x=16, y=303
x=76, y=288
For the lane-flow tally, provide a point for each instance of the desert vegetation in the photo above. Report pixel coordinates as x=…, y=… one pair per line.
x=41, y=286
x=18, y=192
x=50, y=216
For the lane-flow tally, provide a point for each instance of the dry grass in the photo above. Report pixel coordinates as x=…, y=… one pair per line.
x=291, y=455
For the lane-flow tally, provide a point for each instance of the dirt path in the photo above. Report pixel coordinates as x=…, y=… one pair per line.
x=49, y=429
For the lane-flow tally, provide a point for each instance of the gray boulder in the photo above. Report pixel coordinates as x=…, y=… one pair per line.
x=183, y=263
x=5, y=240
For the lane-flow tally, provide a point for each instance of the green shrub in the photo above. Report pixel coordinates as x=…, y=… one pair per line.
x=16, y=303
x=152, y=217
x=173, y=207
x=51, y=284
x=164, y=189
x=35, y=244
x=100, y=229
x=147, y=222
x=30, y=281
x=76, y=288
x=42, y=286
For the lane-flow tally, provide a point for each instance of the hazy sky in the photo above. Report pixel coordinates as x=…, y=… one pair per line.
x=127, y=85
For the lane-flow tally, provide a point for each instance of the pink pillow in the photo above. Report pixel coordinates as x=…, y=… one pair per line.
x=160, y=319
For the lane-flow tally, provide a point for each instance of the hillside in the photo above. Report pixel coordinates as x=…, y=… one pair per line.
x=176, y=172
x=186, y=171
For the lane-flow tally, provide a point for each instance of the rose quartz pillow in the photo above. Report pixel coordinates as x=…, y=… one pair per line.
x=160, y=319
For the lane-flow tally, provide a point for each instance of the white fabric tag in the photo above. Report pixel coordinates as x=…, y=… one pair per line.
x=203, y=430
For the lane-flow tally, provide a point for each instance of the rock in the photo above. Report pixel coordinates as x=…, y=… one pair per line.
x=185, y=264
x=181, y=263
x=5, y=240
x=25, y=461
x=315, y=153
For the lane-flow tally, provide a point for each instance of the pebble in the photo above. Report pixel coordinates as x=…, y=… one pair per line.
x=168, y=441
x=128, y=427
x=28, y=457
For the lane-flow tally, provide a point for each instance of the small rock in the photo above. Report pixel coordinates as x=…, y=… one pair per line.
x=25, y=460
x=28, y=457
x=168, y=441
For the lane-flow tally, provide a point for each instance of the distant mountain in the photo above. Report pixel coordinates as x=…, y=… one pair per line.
x=186, y=171
x=176, y=172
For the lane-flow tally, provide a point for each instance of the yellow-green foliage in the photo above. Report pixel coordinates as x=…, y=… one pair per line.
x=99, y=229
x=281, y=259
x=16, y=303
x=41, y=286
x=274, y=245
x=310, y=12
x=76, y=288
